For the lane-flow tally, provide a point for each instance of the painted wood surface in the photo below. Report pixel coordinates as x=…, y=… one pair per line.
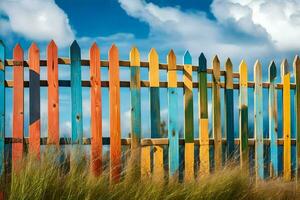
x=286, y=110
x=34, y=101
x=135, y=107
x=76, y=94
x=203, y=116
x=243, y=117
x=96, y=110
x=296, y=65
x=173, y=132
x=53, y=94
x=229, y=114
x=18, y=107
x=273, y=120
x=114, y=116
x=2, y=105
x=188, y=117
x=258, y=121
x=216, y=114
x=155, y=114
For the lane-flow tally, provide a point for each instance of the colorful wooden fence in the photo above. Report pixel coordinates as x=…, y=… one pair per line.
x=204, y=160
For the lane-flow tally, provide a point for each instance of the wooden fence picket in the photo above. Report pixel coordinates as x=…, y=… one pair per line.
x=34, y=100
x=243, y=117
x=18, y=108
x=2, y=105
x=286, y=110
x=188, y=117
x=229, y=114
x=296, y=66
x=96, y=110
x=258, y=121
x=173, y=132
x=203, y=116
x=114, y=114
x=273, y=120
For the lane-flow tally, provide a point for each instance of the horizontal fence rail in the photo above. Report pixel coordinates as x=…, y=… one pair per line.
x=149, y=153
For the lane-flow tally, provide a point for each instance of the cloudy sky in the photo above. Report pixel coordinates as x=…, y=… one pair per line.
x=239, y=29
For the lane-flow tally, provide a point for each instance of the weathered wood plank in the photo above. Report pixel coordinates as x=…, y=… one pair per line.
x=258, y=121
x=34, y=100
x=243, y=118
x=296, y=65
x=203, y=116
x=216, y=113
x=114, y=102
x=286, y=94
x=53, y=94
x=273, y=120
x=18, y=108
x=2, y=106
x=135, y=104
x=229, y=114
x=188, y=117
x=173, y=132
x=96, y=110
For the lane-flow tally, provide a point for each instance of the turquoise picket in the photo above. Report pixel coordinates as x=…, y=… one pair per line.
x=76, y=94
x=2, y=105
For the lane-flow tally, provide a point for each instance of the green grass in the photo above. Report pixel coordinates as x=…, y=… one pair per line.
x=49, y=179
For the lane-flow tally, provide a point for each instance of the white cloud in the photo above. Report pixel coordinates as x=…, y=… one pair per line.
x=39, y=20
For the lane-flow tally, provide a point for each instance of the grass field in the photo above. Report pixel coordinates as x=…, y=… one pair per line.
x=49, y=179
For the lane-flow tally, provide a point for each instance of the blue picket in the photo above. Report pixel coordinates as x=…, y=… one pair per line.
x=2, y=105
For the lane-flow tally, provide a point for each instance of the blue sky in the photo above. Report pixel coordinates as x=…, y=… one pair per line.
x=249, y=29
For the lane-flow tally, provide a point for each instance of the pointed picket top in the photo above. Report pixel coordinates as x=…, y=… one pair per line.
x=187, y=58
x=284, y=67
x=52, y=45
x=75, y=49
x=228, y=64
x=152, y=56
x=229, y=75
x=171, y=58
x=272, y=71
x=257, y=72
x=18, y=48
x=33, y=47
x=94, y=47
x=153, y=68
x=216, y=67
x=202, y=63
x=113, y=50
x=134, y=57
x=243, y=73
x=296, y=64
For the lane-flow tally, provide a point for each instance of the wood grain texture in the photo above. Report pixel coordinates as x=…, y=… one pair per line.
x=243, y=118
x=76, y=94
x=216, y=114
x=173, y=129
x=258, y=121
x=96, y=110
x=229, y=114
x=34, y=100
x=286, y=94
x=188, y=117
x=203, y=116
x=145, y=163
x=53, y=94
x=18, y=108
x=273, y=120
x=2, y=105
x=296, y=66
x=135, y=107
x=155, y=112
x=114, y=116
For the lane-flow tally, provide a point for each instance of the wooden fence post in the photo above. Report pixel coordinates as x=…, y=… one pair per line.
x=96, y=111
x=188, y=117
x=135, y=104
x=273, y=120
x=34, y=101
x=243, y=118
x=18, y=108
x=53, y=95
x=258, y=121
x=296, y=65
x=203, y=116
x=173, y=132
x=285, y=78
x=229, y=114
x=216, y=111
x=114, y=114
x=2, y=106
